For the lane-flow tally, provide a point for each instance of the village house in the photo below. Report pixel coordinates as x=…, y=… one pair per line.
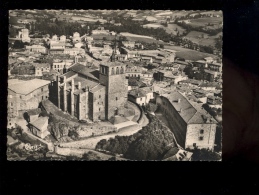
x=74, y=51
x=141, y=96
x=33, y=114
x=168, y=76
x=133, y=71
x=128, y=44
x=122, y=57
x=214, y=102
x=76, y=37
x=39, y=127
x=26, y=95
x=210, y=86
x=215, y=67
x=61, y=64
x=190, y=82
x=100, y=30
x=36, y=48
x=23, y=35
x=150, y=56
x=192, y=126
x=57, y=45
x=40, y=68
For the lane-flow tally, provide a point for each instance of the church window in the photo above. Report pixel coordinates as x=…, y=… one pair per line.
x=117, y=70
x=112, y=73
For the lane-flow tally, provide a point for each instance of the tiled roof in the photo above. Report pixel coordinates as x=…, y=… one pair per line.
x=25, y=87
x=41, y=65
x=35, y=111
x=40, y=122
x=192, y=81
x=210, y=84
x=116, y=63
x=191, y=113
x=81, y=69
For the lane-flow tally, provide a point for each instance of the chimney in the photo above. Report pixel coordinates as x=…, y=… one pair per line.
x=179, y=100
x=79, y=85
x=180, y=110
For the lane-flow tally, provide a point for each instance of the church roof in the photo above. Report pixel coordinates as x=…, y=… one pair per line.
x=110, y=64
x=83, y=70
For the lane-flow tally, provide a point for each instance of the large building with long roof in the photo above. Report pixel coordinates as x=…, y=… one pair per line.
x=25, y=95
x=192, y=125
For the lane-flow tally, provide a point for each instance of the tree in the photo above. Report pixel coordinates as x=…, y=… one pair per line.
x=12, y=20
x=18, y=44
x=97, y=22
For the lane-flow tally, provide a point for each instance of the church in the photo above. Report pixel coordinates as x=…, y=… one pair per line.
x=87, y=93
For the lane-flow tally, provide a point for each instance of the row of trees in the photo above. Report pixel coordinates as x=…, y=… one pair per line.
x=188, y=28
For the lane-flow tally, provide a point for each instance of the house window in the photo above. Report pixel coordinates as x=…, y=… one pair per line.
x=99, y=96
x=140, y=99
x=194, y=144
x=41, y=89
x=99, y=109
x=201, y=131
x=201, y=138
x=116, y=98
x=11, y=103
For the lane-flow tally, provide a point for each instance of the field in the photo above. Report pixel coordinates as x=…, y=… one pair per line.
x=132, y=37
x=171, y=29
x=197, y=37
x=178, y=14
x=155, y=25
x=100, y=37
x=204, y=21
x=189, y=54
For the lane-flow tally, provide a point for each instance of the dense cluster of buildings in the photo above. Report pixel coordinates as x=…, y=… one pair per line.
x=95, y=83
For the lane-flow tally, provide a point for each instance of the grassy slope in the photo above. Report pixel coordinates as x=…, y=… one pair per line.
x=188, y=54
